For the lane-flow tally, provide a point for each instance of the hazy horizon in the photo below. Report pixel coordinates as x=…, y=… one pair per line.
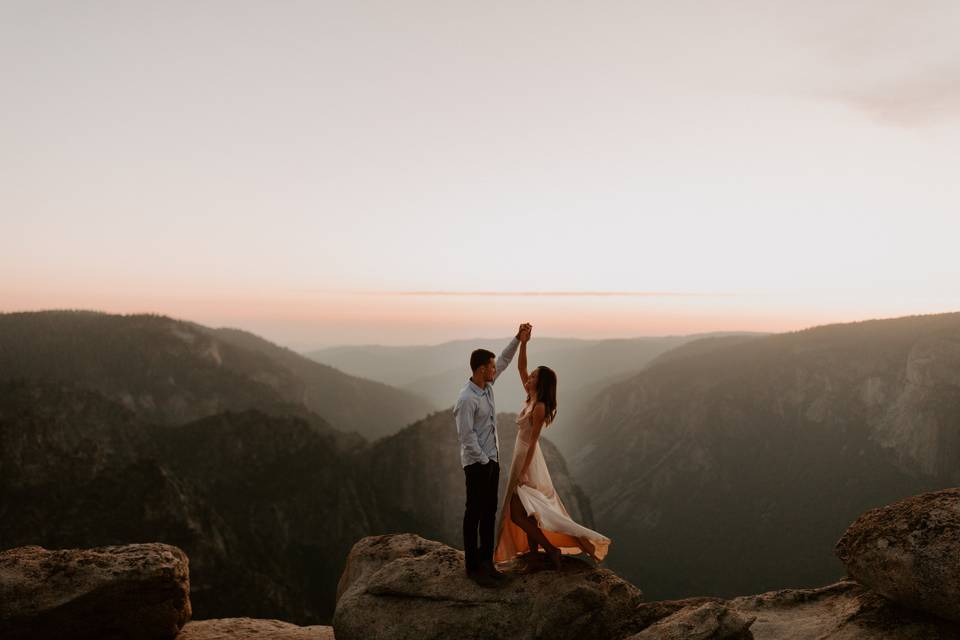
x=329, y=174
x=309, y=346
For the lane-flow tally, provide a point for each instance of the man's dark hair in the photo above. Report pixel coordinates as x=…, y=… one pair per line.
x=479, y=358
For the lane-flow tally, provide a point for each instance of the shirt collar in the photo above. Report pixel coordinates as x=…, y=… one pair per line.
x=477, y=390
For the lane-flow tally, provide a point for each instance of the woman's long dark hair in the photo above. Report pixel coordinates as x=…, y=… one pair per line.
x=547, y=392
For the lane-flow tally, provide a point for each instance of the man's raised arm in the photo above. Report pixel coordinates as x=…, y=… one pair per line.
x=508, y=352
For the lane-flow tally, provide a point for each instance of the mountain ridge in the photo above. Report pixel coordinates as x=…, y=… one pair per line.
x=762, y=449
x=172, y=371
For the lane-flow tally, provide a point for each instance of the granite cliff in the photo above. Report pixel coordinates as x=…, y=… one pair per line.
x=756, y=452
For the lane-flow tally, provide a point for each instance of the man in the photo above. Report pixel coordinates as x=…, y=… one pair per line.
x=476, y=417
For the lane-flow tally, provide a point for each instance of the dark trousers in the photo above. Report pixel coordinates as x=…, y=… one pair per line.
x=480, y=512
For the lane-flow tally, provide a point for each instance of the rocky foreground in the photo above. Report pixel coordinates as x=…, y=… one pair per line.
x=129, y=592
x=904, y=584
x=402, y=587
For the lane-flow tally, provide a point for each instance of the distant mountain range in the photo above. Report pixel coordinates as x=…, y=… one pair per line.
x=725, y=465
x=731, y=465
x=438, y=372
x=171, y=372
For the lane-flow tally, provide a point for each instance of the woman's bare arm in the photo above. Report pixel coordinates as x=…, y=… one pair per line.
x=522, y=359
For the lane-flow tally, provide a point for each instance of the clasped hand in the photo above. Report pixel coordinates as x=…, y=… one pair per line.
x=524, y=332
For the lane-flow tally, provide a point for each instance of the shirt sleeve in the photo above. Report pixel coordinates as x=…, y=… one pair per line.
x=463, y=413
x=507, y=356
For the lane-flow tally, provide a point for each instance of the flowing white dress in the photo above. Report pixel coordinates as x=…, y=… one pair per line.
x=540, y=500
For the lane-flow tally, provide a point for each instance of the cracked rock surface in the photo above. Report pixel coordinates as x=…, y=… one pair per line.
x=252, y=629
x=406, y=587
x=909, y=551
x=134, y=591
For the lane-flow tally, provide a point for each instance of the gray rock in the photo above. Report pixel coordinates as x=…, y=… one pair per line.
x=707, y=621
x=844, y=610
x=252, y=629
x=405, y=587
x=136, y=591
x=909, y=551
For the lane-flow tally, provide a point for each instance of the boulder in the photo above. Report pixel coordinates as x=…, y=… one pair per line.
x=909, y=552
x=405, y=587
x=251, y=629
x=707, y=621
x=844, y=610
x=650, y=613
x=136, y=591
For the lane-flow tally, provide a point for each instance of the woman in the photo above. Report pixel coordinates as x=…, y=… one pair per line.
x=532, y=514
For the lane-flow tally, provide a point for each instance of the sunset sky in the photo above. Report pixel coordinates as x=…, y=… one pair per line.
x=413, y=172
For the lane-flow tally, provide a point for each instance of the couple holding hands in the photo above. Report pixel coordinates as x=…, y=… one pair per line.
x=531, y=515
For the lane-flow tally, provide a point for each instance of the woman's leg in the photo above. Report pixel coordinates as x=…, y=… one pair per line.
x=529, y=525
x=534, y=545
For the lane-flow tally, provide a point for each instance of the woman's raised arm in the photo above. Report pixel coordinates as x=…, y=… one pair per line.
x=522, y=359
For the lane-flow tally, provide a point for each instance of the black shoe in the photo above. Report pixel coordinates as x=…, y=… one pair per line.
x=492, y=571
x=482, y=578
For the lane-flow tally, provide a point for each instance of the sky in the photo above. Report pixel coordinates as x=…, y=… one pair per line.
x=327, y=173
